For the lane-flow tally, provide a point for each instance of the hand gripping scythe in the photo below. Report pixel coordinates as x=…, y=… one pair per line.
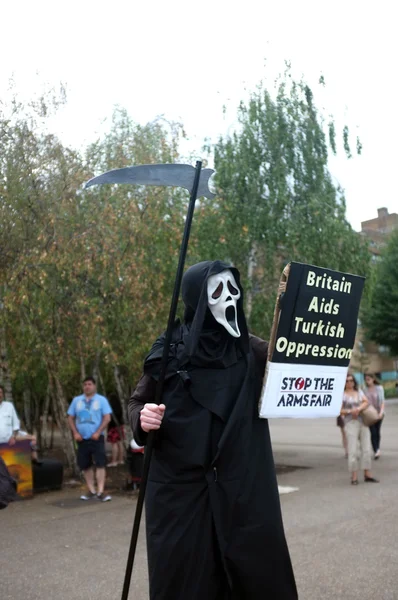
x=196, y=181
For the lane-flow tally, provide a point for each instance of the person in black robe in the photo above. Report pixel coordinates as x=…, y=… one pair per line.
x=213, y=517
x=8, y=486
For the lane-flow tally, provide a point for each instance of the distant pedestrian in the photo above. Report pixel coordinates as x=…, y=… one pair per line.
x=115, y=435
x=135, y=461
x=358, y=435
x=374, y=392
x=88, y=416
x=9, y=422
x=10, y=427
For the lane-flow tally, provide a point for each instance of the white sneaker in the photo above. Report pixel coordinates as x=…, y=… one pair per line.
x=88, y=496
x=377, y=455
x=104, y=497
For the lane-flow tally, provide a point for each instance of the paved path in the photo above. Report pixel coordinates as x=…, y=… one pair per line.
x=343, y=539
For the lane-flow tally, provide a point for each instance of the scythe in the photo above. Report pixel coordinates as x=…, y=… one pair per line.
x=196, y=181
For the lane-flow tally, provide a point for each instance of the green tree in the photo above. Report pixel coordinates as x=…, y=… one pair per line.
x=37, y=174
x=380, y=313
x=137, y=236
x=85, y=276
x=276, y=197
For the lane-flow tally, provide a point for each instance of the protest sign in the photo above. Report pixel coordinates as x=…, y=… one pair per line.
x=18, y=460
x=312, y=343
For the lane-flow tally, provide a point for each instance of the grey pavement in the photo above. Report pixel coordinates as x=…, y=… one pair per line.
x=342, y=539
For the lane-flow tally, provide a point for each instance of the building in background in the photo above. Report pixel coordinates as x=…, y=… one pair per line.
x=368, y=356
x=378, y=230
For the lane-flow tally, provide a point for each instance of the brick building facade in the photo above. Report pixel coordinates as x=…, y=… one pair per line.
x=368, y=356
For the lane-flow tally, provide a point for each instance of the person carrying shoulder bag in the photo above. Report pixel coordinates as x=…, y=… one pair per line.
x=354, y=403
x=374, y=393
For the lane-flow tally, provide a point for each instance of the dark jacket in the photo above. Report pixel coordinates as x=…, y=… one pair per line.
x=8, y=486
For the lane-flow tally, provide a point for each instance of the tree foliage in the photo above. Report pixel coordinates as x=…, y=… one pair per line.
x=380, y=312
x=86, y=276
x=277, y=200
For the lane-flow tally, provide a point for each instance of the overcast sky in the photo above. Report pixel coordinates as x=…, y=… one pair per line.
x=185, y=60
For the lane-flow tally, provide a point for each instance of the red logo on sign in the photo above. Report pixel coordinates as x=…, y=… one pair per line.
x=299, y=383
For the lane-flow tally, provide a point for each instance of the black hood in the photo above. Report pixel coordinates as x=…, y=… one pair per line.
x=207, y=338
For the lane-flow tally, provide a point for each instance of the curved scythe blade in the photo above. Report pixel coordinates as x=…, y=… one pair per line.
x=163, y=174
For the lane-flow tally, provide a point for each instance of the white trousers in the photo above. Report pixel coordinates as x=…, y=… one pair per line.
x=358, y=438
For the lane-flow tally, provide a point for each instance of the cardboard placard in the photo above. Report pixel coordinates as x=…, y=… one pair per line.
x=311, y=343
x=18, y=460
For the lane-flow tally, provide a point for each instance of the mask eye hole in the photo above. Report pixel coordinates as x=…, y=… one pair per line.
x=218, y=291
x=232, y=289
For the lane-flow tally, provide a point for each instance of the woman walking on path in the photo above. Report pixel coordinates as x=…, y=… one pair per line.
x=354, y=402
x=374, y=393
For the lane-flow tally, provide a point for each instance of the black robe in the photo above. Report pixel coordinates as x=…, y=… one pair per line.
x=213, y=517
x=8, y=486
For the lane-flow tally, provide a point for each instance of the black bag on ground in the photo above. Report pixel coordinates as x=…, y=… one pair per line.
x=48, y=474
x=8, y=486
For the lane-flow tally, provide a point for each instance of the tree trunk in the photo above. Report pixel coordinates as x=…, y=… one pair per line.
x=44, y=435
x=60, y=409
x=101, y=381
x=52, y=431
x=36, y=420
x=27, y=406
x=249, y=292
x=5, y=371
x=123, y=401
x=96, y=367
x=82, y=363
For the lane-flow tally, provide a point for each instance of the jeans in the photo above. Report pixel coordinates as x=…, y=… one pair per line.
x=375, y=435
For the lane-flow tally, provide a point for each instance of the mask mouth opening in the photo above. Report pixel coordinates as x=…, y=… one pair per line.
x=230, y=315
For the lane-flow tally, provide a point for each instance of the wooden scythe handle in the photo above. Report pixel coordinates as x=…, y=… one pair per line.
x=277, y=311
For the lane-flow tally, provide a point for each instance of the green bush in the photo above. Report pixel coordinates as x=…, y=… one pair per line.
x=390, y=392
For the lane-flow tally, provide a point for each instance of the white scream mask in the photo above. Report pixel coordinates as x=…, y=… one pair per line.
x=223, y=295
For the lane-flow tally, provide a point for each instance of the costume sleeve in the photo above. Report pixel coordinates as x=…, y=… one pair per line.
x=260, y=350
x=143, y=393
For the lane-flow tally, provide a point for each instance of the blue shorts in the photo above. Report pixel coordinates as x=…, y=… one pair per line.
x=91, y=452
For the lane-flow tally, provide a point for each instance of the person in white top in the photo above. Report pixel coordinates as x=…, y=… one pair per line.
x=9, y=422
x=10, y=426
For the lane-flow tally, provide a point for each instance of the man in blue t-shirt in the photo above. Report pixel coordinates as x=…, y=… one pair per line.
x=88, y=416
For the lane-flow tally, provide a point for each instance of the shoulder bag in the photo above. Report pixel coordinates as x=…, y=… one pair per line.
x=370, y=415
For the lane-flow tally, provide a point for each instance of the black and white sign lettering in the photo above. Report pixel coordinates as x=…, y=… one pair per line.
x=314, y=342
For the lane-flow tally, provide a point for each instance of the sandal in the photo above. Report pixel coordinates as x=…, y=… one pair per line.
x=371, y=480
x=354, y=481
